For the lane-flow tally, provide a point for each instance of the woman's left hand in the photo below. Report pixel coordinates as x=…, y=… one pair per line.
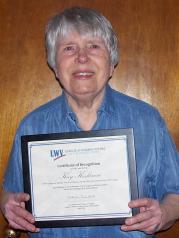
x=148, y=220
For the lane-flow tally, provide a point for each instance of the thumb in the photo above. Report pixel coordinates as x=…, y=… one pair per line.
x=21, y=197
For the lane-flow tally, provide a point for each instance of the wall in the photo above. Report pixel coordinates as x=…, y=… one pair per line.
x=148, y=69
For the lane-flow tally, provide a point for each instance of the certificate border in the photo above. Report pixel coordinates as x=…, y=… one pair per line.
x=128, y=132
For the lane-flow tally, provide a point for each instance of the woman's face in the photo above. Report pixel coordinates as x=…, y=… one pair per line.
x=83, y=66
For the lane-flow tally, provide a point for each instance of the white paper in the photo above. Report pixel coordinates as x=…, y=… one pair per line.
x=79, y=178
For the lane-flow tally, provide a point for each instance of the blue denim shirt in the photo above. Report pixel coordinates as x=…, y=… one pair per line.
x=156, y=156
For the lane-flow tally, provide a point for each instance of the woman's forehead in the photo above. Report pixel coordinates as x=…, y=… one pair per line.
x=74, y=35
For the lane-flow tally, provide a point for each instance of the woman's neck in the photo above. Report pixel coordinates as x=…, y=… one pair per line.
x=86, y=110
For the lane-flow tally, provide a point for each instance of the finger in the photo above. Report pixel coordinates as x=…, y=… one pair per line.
x=21, y=212
x=149, y=226
x=22, y=219
x=19, y=218
x=143, y=202
x=23, y=226
x=151, y=229
x=21, y=197
x=22, y=204
x=144, y=226
x=143, y=209
x=140, y=217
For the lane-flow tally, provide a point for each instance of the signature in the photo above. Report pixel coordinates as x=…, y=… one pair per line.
x=81, y=175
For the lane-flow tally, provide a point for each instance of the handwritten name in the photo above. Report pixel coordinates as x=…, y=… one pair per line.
x=82, y=175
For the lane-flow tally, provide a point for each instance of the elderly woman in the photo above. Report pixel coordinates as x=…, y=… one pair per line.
x=82, y=51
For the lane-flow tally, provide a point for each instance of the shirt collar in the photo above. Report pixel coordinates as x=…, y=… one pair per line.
x=107, y=106
x=66, y=109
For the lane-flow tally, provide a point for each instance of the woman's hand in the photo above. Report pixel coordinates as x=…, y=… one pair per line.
x=149, y=219
x=13, y=208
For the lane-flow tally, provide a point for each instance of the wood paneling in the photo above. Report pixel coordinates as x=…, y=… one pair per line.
x=148, y=69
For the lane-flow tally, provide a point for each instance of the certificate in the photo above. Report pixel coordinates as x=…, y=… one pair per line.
x=80, y=178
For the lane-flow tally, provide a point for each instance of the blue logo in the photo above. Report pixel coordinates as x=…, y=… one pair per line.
x=57, y=154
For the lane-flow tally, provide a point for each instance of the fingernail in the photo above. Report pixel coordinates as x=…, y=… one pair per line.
x=123, y=227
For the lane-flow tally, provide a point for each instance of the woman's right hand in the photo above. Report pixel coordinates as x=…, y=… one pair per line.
x=13, y=208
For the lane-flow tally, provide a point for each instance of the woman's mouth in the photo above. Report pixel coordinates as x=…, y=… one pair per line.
x=83, y=75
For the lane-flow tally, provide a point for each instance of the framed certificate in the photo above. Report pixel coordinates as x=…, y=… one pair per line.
x=80, y=178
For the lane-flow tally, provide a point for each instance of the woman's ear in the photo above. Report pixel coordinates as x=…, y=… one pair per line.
x=56, y=73
x=111, y=70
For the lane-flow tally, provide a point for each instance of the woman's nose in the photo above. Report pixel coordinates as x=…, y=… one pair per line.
x=82, y=55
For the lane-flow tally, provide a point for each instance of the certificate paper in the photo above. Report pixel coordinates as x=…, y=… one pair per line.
x=81, y=178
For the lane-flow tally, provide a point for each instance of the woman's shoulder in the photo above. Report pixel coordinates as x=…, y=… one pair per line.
x=132, y=102
x=44, y=113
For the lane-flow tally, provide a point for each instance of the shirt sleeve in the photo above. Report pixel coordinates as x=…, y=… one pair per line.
x=13, y=179
x=167, y=180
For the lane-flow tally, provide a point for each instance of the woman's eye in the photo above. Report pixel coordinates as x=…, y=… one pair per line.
x=69, y=48
x=94, y=46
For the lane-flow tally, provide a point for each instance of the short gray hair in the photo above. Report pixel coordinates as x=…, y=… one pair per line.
x=85, y=21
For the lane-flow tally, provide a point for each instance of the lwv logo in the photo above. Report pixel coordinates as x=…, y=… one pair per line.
x=56, y=154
